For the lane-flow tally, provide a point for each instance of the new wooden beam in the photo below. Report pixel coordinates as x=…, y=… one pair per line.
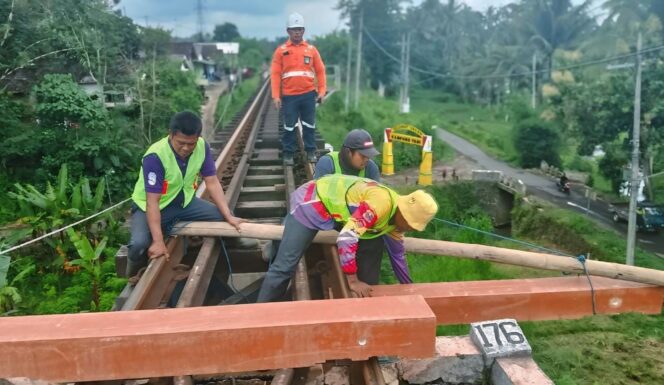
x=222, y=339
x=530, y=299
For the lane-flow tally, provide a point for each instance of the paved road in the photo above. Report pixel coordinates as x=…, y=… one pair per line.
x=545, y=187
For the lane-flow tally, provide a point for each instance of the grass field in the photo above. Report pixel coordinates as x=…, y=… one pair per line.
x=374, y=115
x=623, y=349
x=230, y=104
x=490, y=128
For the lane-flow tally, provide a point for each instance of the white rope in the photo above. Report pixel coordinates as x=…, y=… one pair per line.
x=63, y=228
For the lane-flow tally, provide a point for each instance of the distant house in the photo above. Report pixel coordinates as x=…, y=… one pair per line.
x=18, y=83
x=110, y=98
x=91, y=87
x=202, y=58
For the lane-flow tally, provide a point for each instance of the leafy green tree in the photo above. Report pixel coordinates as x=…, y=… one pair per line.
x=255, y=52
x=333, y=47
x=612, y=164
x=225, y=32
x=62, y=103
x=536, y=140
x=382, y=19
x=154, y=41
x=82, y=37
x=163, y=90
x=595, y=112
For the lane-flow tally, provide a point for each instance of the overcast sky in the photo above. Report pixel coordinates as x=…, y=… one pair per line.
x=254, y=18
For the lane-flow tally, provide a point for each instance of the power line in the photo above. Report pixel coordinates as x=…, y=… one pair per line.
x=63, y=228
x=435, y=75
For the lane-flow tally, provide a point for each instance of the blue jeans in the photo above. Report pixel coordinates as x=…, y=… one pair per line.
x=141, y=238
x=303, y=107
x=295, y=241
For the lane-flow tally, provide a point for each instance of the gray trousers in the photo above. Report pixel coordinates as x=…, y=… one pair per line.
x=141, y=238
x=294, y=243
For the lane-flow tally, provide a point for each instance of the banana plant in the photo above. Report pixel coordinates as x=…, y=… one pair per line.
x=9, y=295
x=89, y=260
x=58, y=206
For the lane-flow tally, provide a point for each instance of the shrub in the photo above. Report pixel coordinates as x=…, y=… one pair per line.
x=534, y=141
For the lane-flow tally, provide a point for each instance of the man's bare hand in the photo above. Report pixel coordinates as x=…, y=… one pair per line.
x=277, y=103
x=360, y=289
x=235, y=222
x=158, y=249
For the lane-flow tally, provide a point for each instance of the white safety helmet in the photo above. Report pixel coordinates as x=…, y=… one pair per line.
x=295, y=20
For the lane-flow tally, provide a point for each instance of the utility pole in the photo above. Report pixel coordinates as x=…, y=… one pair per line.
x=348, y=69
x=635, y=181
x=199, y=13
x=402, y=71
x=407, y=75
x=534, y=81
x=404, y=97
x=358, y=63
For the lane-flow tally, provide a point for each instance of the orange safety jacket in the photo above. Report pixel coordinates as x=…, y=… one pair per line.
x=293, y=70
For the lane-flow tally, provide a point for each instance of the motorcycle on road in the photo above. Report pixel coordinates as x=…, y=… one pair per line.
x=563, y=187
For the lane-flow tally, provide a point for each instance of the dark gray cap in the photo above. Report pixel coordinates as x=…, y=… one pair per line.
x=361, y=141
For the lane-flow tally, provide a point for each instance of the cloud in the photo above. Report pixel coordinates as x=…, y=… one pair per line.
x=254, y=18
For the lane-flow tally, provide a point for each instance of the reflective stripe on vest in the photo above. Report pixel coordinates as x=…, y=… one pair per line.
x=291, y=74
x=173, y=179
x=332, y=191
x=337, y=166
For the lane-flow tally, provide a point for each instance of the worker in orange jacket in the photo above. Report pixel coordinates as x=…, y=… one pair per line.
x=295, y=65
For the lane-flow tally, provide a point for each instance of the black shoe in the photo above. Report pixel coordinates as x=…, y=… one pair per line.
x=311, y=156
x=288, y=159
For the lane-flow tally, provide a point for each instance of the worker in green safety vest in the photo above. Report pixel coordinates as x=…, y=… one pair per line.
x=355, y=158
x=365, y=209
x=165, y=191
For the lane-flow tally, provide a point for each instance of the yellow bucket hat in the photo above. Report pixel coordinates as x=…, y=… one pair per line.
x=417, y=208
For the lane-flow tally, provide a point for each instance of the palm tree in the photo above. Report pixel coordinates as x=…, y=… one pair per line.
x=553, y=24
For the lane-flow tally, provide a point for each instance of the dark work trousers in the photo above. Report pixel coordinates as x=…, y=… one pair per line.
x=369, y=255
x=295, y=241
x=301, y=107
x=141, y=238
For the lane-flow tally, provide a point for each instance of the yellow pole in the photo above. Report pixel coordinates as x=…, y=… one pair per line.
x=427, y=160
x=388, y=156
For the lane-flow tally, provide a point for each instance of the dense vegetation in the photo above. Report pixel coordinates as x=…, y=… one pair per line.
x=485, y=58
x=66, y=154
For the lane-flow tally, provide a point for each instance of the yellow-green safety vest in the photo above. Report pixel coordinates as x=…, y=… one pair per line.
x=173, y=180
x=332, y=191
x=337, y=166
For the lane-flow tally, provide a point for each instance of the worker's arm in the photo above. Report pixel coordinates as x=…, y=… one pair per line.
x=319, y=67
x=158, y=246
x=275, y=77
x=324, y=166
x=371, y=171
x=364, y=217
x=219, y=199
x=397, y=252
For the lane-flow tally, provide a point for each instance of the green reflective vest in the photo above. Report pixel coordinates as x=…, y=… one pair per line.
x=174, y=182
x=337, y=166
x=332, y=191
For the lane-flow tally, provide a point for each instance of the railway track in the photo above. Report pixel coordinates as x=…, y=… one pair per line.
x=208, y=271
